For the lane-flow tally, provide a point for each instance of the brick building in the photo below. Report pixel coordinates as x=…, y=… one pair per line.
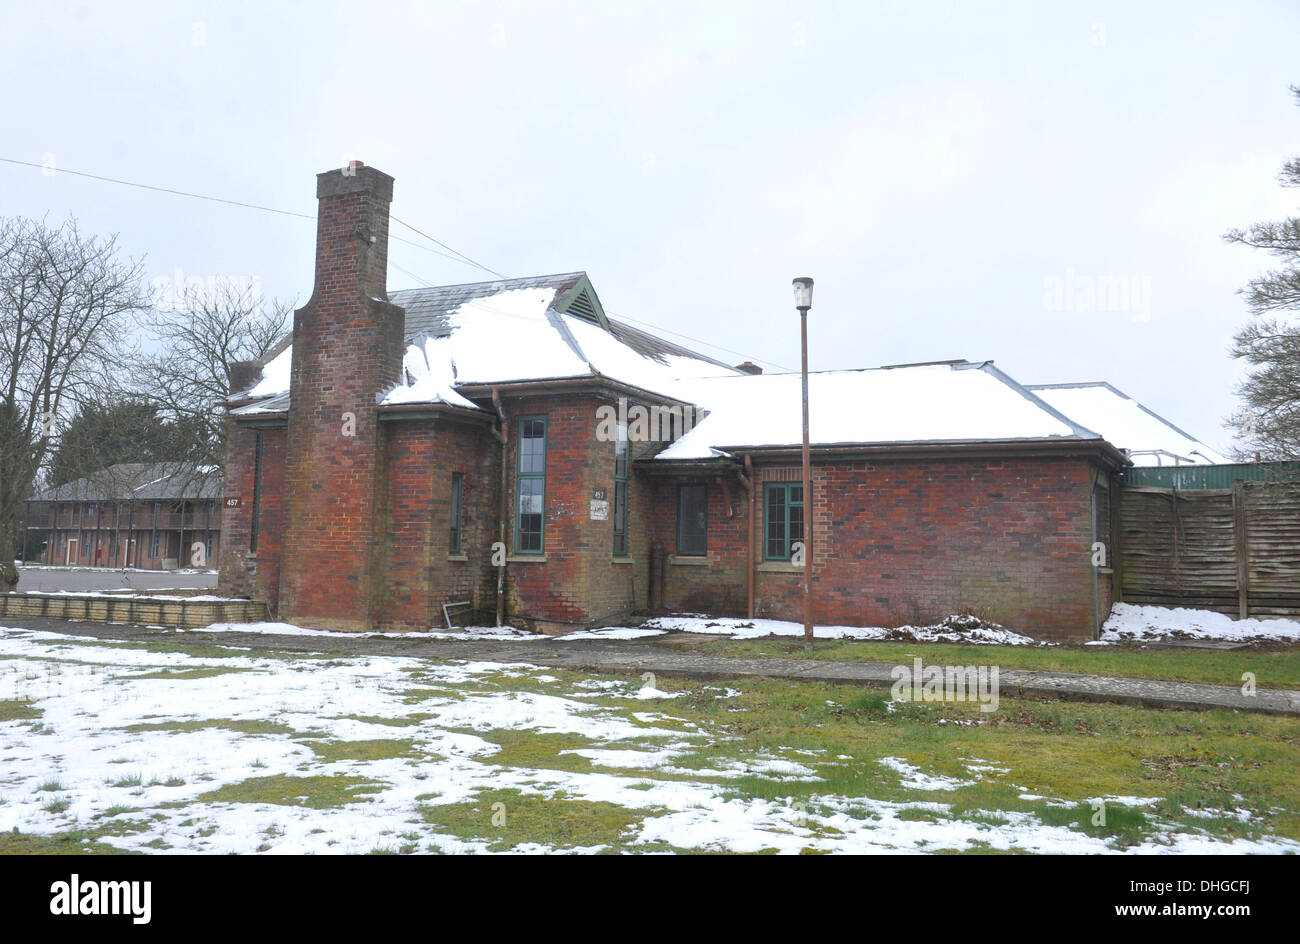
x=151, y=515
x=509, y=446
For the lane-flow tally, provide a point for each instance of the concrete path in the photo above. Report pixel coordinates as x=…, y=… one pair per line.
x=642, y=655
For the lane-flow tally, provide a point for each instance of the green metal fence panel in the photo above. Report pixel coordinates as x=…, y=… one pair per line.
x=1199, y=477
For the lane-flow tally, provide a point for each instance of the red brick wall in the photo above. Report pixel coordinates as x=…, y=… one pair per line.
x=911, y=542
x=244, y=572
x=718, y=586
x=579, y=581
x=423, y=574
x=347, y=347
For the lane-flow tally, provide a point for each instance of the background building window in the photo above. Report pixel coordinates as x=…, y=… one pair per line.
x=457, y=491
x=784, y=507
x=622, y=454
x=530, y=486
x=692, y=520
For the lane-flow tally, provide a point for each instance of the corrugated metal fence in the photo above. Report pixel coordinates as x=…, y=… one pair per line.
x=1235, y=550
x=1211, y=476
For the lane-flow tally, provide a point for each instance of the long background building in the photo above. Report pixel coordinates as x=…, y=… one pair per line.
x=148, y=515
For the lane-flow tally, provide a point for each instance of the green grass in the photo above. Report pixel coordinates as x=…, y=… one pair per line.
x=505, y=819
x=181, y=674
x=67, y=843
x=332, y=752
x=12, y=710
x=314, y=792
x=1273, y=668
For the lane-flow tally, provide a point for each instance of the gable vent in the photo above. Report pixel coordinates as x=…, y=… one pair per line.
x=582, y=307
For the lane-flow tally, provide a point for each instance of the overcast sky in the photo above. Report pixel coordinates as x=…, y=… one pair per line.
x=955, y=176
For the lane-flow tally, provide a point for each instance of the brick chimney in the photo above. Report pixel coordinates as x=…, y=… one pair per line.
x=749, y=367
x=347, y=348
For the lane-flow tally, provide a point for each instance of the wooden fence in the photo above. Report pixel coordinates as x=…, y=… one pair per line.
x=1233, y=550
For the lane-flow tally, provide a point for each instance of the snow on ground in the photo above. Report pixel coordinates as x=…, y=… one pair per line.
x=1129, y=621
x=951, y=629
x=135, y=742
x=619, y=632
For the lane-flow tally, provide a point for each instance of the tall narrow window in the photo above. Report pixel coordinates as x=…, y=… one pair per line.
x=457, y=491
x=257, y=497
x=784, y=504
x=530, y=486
x=621, y=457
x=692, y=520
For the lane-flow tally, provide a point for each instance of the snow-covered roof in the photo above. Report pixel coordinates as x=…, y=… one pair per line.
x=947, y=403
x=140, y=480
x=517, y=330
x=1147, y=438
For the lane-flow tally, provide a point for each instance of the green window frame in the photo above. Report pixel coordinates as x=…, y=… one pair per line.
x=530, y=485
x=692, y=520
x=783, y=510
x=457, y=503
x=622, y=460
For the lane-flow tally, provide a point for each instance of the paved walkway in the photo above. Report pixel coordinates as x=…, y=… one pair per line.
x=638, y=656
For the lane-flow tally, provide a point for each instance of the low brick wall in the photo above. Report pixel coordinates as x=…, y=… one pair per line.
x=189, y=614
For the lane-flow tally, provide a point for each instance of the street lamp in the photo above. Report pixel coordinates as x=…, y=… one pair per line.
x=803, y=301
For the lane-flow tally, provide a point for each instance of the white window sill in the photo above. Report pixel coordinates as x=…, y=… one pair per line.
x=526, y=559
x=688, y=561
x=780, y=567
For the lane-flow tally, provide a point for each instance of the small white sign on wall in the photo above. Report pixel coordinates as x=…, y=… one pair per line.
x=599, y=510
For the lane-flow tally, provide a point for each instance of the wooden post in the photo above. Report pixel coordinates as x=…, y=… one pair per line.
x=1116, y=545
x=1241, y=548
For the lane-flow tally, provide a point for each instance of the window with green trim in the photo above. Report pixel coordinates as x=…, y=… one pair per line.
x=783, y=504
x=621, y=456
x=457, y=493
x=692, y=520
x=530, y=485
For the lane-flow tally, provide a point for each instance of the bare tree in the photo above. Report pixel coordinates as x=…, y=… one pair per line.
x=199, y=342
x=1269, y=421
x=65, y=302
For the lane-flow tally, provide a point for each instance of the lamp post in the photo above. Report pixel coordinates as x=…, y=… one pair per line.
x=803, y=288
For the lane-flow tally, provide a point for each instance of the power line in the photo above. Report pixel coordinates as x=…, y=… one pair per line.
x=457, y=257
x=239, y=203
x=466, y=258
x=179, y=193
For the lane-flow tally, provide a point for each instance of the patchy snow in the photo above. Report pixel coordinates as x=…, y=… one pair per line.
x=271, y=629
x=432, y=378
x=1125, y=423
x=954, y=628
x=1130, y=621
x=477, y=632
x=136, y=741
x=900, y=405
x=275, y=376
x=912, y=778
x=618, y=632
